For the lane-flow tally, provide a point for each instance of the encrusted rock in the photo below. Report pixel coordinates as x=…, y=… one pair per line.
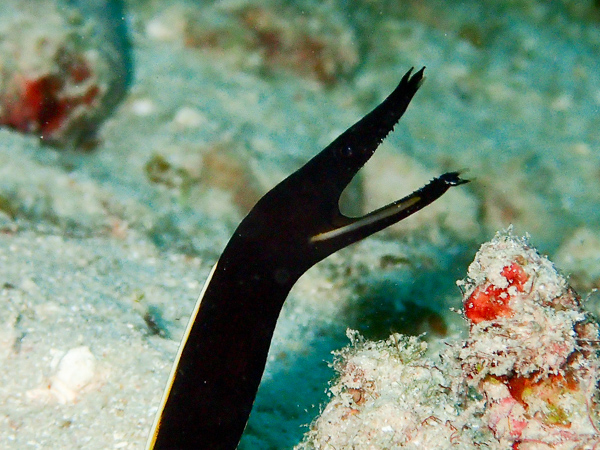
x=526, y=377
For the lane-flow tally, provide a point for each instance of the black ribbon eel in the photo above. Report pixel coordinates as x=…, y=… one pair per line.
x=295, y=225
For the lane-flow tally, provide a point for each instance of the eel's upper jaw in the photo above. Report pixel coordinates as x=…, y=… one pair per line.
x=380, y=122
x=359, y=228
x=332, y=169
x=369, y=132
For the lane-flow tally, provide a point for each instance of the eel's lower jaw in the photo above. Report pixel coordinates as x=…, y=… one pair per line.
x=372, y=218
x=361, y=227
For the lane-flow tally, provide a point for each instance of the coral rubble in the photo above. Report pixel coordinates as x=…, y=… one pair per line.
x=526, y=376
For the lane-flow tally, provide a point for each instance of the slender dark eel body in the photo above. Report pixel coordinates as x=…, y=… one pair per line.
x=295, y=225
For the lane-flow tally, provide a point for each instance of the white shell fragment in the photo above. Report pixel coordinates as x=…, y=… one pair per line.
x=75, y=373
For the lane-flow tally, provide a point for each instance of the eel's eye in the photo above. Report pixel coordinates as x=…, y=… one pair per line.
x=346, y=152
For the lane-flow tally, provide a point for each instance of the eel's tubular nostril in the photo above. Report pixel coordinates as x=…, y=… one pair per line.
x=453, y=179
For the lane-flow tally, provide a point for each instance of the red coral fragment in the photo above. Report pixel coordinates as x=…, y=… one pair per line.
x=44, y=104
x=489, y=302
x=515, y=275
